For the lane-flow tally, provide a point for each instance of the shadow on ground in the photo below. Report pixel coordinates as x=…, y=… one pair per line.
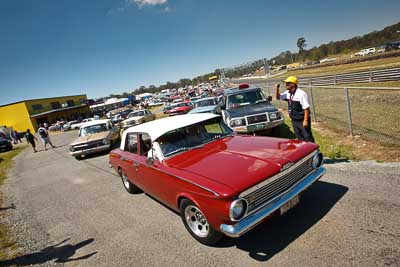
x=11, y=207
x=56, y=253
x=273, y=236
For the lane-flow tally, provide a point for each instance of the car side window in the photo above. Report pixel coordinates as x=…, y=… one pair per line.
x=145, y=144
x=131, y=143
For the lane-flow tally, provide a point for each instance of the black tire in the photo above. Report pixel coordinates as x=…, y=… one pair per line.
x=129, y=187
x=78, y=157
x=211, y=236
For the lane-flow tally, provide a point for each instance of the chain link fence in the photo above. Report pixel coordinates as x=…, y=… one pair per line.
x=370, y=112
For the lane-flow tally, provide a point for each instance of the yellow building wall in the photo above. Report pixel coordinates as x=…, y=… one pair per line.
x=16, y=116
x=46, y=103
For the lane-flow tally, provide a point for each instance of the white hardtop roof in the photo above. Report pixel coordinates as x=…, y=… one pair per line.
x=94, y=122
x=160, y=127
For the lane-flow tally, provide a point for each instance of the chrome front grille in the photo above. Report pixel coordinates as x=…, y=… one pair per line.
x=277, y=185
x=257, y=118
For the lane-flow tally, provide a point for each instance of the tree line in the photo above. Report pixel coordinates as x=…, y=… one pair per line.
x=372, y=39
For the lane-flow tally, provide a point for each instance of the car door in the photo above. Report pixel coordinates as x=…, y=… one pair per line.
x=153, y=182
x=129, y=159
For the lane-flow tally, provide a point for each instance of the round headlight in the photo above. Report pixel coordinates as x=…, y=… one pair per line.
x=317, y=160
x=238, y=209
x=237, y=122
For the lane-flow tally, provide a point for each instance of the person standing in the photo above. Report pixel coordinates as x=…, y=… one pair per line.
x=44, y=135
x=30, y=138
x=298, y=107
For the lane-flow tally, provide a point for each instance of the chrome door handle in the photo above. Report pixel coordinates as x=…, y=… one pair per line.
x=136, y=164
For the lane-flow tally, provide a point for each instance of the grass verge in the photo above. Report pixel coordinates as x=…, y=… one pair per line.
x=6, y=162
x=359, y=66
x=329, y=145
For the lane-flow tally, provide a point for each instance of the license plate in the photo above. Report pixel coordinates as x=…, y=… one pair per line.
x=256, y=127
x=290, y=204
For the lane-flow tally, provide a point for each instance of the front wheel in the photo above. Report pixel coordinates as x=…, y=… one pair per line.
x=197, y=225
x=129, y=187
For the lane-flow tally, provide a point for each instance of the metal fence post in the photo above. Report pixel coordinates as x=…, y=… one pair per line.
x=312, y=103
x=370, y=76
x=346, y=90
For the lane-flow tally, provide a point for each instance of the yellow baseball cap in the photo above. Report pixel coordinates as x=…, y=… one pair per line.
x=291, y=79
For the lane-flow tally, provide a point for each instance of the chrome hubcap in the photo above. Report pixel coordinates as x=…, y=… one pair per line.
x=125, y=180
x=196, y=221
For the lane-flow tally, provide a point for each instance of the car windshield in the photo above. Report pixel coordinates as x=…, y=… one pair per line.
x=193, y=136
x=136, y=114
x=245, y=98
x=92, y=129
x=205, y=102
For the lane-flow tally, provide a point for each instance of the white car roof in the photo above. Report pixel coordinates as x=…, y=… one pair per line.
x=94, y=122
x=159, y=127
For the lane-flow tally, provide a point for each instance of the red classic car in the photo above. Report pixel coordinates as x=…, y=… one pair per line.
x=220, y=182
x=179, y=108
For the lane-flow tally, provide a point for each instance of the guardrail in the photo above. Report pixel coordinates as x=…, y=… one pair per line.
x=380, y=75
x=371, y=112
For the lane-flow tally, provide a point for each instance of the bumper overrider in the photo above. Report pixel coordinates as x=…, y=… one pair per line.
x=254, y=219
x=258, y=126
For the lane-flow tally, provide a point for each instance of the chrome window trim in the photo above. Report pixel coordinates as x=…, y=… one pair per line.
x=278, y=175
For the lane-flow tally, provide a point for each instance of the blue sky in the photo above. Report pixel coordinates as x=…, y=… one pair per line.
x=63, y=47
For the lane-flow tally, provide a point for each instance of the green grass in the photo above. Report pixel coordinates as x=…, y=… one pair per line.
x=360, y=66
x=329, y=146
x=6, y=162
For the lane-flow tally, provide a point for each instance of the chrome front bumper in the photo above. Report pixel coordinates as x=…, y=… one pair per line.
x=252, y=220
x=258, y=126
x=90, y=150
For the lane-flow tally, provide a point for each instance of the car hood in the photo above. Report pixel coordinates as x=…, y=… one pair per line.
x=179, y=108
x=204, y=109
x=240, y=162
x=250, y=110
x=133, y=118
x=90, y=138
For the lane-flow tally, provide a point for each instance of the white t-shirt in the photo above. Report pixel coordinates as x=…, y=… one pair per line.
x=299, y=96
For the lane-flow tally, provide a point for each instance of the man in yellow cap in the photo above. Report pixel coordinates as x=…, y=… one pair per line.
x=298, y=107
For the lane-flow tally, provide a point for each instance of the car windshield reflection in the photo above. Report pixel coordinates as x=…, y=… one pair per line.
x=193, y=136
x=245, y=98
x=88, y=130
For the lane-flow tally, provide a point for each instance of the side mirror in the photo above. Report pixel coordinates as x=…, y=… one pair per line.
x=149, y=161
x=150, y=157
x=269, y=98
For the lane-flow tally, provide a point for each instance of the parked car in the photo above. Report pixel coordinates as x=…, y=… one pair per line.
x=366, y=52
x=220, y=183
x=246, y=110
x=94, y=136
x=155, y=103
x=67, y=125
x=79, y=124
x=5, y=145
x=206, y=105
x=117, y=118
x=166, y=108
x=179, y=108
x=138, y=117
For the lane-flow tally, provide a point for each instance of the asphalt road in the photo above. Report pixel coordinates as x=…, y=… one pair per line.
x=77, y=212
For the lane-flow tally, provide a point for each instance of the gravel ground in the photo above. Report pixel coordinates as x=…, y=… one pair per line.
x=77, y=213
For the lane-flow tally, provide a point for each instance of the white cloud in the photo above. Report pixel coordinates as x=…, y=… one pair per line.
x=148, y=2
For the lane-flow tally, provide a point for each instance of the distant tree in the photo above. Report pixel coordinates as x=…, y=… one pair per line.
x=301, y=44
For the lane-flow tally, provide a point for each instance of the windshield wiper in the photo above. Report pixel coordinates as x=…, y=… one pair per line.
x=184, y=149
